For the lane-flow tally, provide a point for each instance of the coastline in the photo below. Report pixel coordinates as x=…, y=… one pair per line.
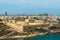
x=30, y=35
x=24, y=36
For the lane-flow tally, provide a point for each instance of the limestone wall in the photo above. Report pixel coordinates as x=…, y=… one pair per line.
x=16, y=27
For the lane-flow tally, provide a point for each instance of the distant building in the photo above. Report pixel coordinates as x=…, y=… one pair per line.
x=5, y=13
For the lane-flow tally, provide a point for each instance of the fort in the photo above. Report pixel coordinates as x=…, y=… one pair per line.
x=30, y=25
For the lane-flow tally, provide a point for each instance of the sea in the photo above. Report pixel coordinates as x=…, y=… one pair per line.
x=52, y=36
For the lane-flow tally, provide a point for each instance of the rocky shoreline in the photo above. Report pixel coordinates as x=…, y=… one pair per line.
x=30, y=35
x=24, y=36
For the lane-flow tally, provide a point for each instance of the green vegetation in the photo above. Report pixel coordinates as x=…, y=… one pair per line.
x=54, y=28
x=41, y=30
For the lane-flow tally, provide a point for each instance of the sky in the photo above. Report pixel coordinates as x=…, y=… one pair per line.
x=30, y=7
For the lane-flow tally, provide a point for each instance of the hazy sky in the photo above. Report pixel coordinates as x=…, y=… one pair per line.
x=30, y=6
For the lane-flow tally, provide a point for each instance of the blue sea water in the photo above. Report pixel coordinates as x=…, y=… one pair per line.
x=55, y=36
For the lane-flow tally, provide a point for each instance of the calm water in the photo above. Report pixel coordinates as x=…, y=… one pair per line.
x=55, y=36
